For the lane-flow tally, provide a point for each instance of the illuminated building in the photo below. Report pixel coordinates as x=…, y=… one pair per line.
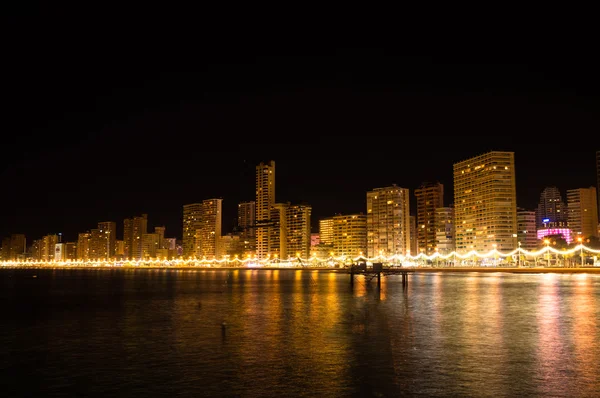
x=210, y=229
x=414, y=244
x=298, y=229
x=71, y=250
x=349, y=235
x=326, y=231
x=191, y=224
x=583, y=211
x=97, y=244
x=246, y=222
x=133, y=230
x=277, y=228
x=566, y=233
x=265, y=199
x=108, y=229
x=60, y=252
x=527, y=237
x=444, y=227
x=429, y=196
x=551, y=210
x=150, y=245
x=14, y=247
x=231, y=245
x=35, y=250
x=83, y=246
x=47, y=247
x=388, y=221
x=314, y=239
x=485, y=203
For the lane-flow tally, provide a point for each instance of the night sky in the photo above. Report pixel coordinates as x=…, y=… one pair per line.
x=104, y=129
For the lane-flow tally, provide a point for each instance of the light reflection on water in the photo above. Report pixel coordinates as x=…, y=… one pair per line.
x=298, y=333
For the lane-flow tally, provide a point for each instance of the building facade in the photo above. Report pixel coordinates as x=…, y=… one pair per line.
x=326, y=231
x=583, y=211
x=211, y=227
x=388, y=221
x=133, y=230
x=527, y=229
x=551, y=210
x=430, y=196
x=349, y=237
x=444, y=226
x=191, y=224
x=298, y=230
x=265, y=200
x=485, y=203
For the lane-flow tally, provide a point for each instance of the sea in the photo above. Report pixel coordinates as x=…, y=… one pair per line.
x=109, y=332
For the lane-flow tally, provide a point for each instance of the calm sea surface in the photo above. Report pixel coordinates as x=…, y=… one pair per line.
x=288, y=333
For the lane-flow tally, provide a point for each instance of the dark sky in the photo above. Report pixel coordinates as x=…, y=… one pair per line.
x=106, y=128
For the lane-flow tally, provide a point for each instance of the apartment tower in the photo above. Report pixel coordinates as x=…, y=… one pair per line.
x=485, y=203
x=430, y=196
x=265, y=199
x=388, y=221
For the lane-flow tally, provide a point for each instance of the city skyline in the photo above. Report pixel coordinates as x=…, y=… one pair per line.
x=172, y=218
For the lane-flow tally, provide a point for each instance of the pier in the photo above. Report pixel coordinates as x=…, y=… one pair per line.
x=377, y=270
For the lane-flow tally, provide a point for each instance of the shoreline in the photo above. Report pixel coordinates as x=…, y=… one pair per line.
x=393, y=271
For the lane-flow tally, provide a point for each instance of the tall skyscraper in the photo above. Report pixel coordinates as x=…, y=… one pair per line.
x=265, y=199
x=48, y=245
x=444, y=225
x=527, y=229
x=388, y=221
x=298, y=230
x=430, y=196
x=485, y=203
x=551, y=208
x=14, y=247
x=211, y=228
x=133, y=230
x=83, y=246
x=349, y=235
x=583, y=212
x=192, y=220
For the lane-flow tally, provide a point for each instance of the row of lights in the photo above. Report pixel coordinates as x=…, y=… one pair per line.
x=380, y=258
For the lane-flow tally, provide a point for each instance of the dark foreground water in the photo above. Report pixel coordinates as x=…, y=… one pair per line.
x=290, y=333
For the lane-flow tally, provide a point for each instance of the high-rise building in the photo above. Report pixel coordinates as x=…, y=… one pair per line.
x=430, y=196
x=551, y=210
x=192, y=221
x=150, y=245
x=14, y=247
x=278, y=232
x=298, y=230
x=71, y=250
x=246, y=218
x=527, y=229
x=108, y=229
x=210, y=229
x=388, y=221
x=444, y=225
x=485, y=203
x=265, y=199
x=414, y=244
x=133, y=230
x=83, y=246
x=246, y=224
x=583, y=211
x=47, y=247
x=349, y=235
x=326, y=231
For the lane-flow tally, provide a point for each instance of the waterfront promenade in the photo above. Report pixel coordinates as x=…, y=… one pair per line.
x=386, y=270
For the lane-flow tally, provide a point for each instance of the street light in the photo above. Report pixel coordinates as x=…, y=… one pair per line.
x=547, y=242
x=519, y=254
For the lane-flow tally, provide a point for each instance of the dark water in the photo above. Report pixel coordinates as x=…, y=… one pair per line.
x=290, y=333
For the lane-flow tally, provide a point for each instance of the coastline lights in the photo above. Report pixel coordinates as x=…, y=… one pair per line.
x=581, y=249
